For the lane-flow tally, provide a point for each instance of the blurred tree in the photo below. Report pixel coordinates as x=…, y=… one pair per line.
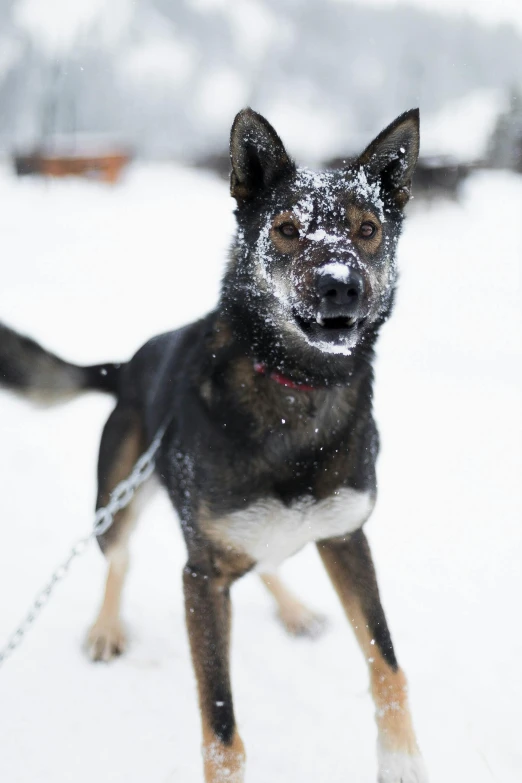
x=505, y=149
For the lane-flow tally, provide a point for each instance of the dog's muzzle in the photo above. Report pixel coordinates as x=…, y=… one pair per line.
x=334, y=321
x=340, y=298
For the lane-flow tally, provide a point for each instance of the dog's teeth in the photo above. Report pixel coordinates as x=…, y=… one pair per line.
x=320, y=320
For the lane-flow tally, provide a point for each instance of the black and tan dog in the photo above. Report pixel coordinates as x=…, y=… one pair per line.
x=271, y=442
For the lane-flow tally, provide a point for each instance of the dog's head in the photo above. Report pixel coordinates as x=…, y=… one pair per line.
x=313, y=270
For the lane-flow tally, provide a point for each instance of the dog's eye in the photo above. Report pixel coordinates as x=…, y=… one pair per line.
x=367, y=230
x=288, y=230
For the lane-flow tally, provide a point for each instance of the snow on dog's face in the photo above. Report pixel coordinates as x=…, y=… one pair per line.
x=313, y=271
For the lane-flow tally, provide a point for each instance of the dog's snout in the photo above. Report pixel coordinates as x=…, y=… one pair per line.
x=341, y=292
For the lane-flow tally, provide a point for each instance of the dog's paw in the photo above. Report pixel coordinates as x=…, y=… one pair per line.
x=105, y=641
x=301, y=621
x=401, y=768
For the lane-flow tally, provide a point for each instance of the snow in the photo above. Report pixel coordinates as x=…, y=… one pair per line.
x=320, y=235
x=369, y=191
x=92, y=272
x=343, y=348
x=393, y=765
x=336, y=270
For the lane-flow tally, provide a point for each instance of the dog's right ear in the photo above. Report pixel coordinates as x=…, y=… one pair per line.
x=257, y=155
x=392, y=156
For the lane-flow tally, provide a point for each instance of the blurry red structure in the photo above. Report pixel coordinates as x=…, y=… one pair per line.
x=105, y=166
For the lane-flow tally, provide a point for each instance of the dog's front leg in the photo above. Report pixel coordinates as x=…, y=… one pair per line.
x=207, y=608
x=350, y=567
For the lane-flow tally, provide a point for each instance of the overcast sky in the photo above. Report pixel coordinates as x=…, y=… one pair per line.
x=491, y=11
x=58, y=21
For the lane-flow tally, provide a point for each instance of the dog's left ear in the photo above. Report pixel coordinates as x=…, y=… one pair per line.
x=392, y=156
x=257, y=155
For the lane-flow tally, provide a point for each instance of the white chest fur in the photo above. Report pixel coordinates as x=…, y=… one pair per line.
x=269, y=532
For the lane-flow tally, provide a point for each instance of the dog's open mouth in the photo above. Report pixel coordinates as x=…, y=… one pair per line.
x=336, y=322
x=334, y=329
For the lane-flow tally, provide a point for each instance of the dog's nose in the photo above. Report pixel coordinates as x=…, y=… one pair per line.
x=342, y=292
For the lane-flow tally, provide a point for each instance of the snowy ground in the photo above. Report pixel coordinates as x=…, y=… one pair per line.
x=92, y=272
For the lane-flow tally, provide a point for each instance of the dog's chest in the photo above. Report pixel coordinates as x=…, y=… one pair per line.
x=269, y=531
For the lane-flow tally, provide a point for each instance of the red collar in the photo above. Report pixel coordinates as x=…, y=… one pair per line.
x=282, y=380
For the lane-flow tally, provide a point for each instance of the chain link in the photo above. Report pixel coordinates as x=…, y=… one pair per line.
x=120, y=497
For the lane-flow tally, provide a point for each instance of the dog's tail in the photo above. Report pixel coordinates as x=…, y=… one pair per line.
x=27, y=368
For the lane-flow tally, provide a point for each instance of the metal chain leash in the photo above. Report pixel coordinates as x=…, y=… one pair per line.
x=120, y=497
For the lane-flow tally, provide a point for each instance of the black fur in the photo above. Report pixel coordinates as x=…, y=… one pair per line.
x=27, y=367
x=226, y=446
x=103, y=377
x=269, y=397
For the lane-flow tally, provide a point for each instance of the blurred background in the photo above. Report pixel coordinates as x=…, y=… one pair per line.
x=162, y=79
x=114, y=225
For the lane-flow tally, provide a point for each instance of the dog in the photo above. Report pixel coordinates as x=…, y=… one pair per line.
x=270, y=442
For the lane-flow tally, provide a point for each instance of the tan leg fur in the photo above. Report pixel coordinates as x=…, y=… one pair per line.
x=107, y=637
x=351, y=569
x=297, y=618
x=389, y=690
